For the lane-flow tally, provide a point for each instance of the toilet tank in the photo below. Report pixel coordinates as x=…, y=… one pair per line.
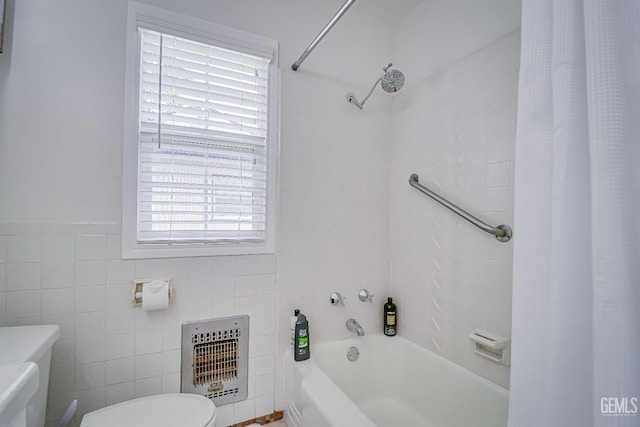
x=31, y=344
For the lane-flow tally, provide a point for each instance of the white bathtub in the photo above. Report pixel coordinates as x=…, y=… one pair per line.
x=394, y=383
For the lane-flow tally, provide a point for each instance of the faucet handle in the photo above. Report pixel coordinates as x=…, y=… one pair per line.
x=337, y=299
x=365, y=295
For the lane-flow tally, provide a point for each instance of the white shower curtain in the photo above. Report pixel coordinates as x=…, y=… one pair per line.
x=576, y=284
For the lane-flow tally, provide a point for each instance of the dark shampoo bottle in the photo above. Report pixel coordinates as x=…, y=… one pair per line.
x=301, y=350
x=390, y=318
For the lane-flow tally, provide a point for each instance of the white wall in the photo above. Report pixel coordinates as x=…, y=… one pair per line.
x=61, y=124
x=455, y=127
x=345, y=206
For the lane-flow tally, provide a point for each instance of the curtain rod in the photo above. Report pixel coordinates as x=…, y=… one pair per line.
x=323, y=33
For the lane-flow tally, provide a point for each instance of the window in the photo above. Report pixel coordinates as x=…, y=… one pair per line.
x=201, y=150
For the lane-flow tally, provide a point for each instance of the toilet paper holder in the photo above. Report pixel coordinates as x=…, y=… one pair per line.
x=136, y=289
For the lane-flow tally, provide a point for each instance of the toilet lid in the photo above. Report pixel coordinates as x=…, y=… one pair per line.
x=163, y=410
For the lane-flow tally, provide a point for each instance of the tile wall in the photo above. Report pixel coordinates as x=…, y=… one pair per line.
x=72, y=275
x=456, y=130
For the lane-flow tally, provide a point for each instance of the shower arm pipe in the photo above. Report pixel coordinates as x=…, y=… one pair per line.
x=352, y=98
x=322, y=33
x=502, y=232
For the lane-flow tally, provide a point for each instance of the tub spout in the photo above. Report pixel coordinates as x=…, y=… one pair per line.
x=354, y=326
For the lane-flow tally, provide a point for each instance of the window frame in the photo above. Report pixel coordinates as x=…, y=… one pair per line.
x=168, y=22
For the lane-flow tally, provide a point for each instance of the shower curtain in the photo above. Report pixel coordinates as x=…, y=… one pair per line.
x=576, y=281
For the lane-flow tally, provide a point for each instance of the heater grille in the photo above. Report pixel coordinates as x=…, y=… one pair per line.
x=215, y=358
x=215, y=361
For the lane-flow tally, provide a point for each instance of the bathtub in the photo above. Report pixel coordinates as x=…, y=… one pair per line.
x=393, y=383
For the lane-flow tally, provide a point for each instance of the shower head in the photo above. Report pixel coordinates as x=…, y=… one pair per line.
x=390, y=80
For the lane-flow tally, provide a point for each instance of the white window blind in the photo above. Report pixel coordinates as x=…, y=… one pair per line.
x=202, y=152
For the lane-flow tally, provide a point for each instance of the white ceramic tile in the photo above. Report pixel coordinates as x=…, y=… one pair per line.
x=118, y=346
x=90, y=350
x=64, y=228
x=119, y=371
x=499, y=199
x=264, y=406
x=148, y=387
x=90, y=298
x=264, y=324
x=118, y=296
x=148, y=342
x=120, y=271
x=266, y=284
x=265, y=304
x=24, y=248
x=181, y=312
x=91, y=247
x=225, y=415
x=147, y=366
x=63, y=354
x=3, y=249
x=223, y=307
x=3, y=277
x=251, y=369
x=245, y=286
x=459, y=294
x=90, y=273
x=147, y=320
x=171, y=383
x=171, y=362
x=114, y=247
x=245, y=305
x=110, y=228
x=119, y=321
x=255, y=264
x=171, y=338
x=120, y=392
x=3, y=308
x=62, y=380
x=265, y=345
x=90, y=325
x=23, y=276
x=91, y=400
x=264, y=385
x=244, y=411
x=200, y=269
x=58, y=274
x=169, y=267
x=499, y=174
x=265, y=365
x=22, y=304
x=58, y=248
x=90, y=375
x=57, y=301
x=223, y=277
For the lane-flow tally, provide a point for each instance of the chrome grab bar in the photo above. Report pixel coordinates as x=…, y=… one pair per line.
x=502, y=232
x=323, y=33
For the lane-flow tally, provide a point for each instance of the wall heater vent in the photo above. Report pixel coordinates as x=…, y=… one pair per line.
x=215, y=358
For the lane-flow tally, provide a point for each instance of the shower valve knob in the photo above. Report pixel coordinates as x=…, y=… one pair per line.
x=337, y=299
x=365, y=295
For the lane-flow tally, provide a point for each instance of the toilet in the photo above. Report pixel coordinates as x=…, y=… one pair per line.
x=163, y=410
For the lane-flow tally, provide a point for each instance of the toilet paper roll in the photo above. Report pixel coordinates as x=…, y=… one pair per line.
x=155, y=295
